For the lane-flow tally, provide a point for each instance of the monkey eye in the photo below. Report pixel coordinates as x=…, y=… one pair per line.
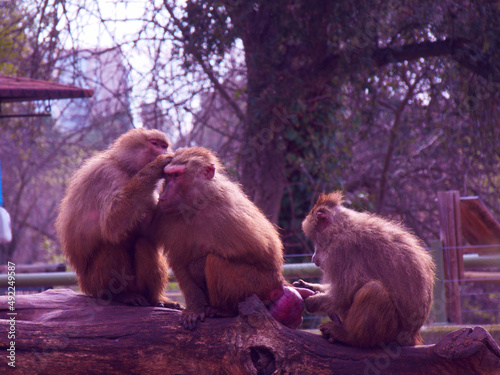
x=172, y=176
x=158, y=143
x=322, y=220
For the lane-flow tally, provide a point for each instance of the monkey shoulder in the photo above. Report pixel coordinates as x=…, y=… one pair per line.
x=90, y=187
x=102, y=176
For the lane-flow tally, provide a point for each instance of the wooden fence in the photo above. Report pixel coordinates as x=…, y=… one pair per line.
x=466, y=227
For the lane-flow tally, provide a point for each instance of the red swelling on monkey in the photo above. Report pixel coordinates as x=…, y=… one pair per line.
x=288, y=306
x=220, y=246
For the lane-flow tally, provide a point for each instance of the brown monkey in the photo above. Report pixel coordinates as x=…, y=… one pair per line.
x=220, y=246
x=378, y=278
x=101, y=216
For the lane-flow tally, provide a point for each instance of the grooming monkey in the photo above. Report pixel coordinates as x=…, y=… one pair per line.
x=107, y=205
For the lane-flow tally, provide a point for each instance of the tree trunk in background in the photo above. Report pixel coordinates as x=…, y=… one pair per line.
x=282, y=75
x=261, y=164
x=262, y=173
x=262, y=158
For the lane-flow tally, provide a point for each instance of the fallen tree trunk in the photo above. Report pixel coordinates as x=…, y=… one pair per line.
x=62, y=332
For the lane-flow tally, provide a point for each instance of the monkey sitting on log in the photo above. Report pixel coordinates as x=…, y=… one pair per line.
x=220, y=246
x=107, y=205
x=378, y=278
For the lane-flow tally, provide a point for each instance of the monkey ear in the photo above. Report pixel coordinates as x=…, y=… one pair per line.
x=322, y=221
x=210, y=171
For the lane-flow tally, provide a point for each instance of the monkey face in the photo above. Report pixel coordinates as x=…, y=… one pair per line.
x=176, y=183
x=314, y=227
x=139, y=147
x=186, y=186
x=321, y=224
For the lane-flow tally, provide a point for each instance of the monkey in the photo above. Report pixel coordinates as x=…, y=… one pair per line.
x=378, y=279
x=220, y=246
x=102, y=216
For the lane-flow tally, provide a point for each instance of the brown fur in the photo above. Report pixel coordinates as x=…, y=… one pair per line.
x=378, y=278
x=107, y=203
x=220, y=246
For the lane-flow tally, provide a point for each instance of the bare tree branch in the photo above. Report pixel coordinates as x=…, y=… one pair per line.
x=205, y=66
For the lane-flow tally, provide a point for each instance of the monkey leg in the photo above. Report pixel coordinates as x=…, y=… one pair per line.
x=190, y=278
x=319, y=302
x=151, y=272
x=230, y=282
x=197, y=271
x=109, y=275
x=371, y=320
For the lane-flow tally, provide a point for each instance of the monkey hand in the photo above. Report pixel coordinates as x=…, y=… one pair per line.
x=300, y=285
x=155, y=168
x=305, y=293
x=189, y=319
x=170, y=305
x=303, y=284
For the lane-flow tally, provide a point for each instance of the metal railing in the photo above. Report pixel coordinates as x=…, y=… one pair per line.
x=291, y=270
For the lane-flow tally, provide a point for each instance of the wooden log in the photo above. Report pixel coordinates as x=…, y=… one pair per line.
x=62, y=332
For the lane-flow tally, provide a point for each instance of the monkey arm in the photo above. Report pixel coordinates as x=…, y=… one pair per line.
x=130, y=204
x=320, y=302
x=190, y=279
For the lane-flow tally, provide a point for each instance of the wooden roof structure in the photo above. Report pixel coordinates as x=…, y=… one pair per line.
x=479, y=227
x=18, y=89
x=465, y=218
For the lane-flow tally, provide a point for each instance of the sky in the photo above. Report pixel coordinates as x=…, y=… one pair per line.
x=93, y=34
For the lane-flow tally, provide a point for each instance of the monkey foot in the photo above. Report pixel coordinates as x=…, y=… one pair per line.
x=328, y=331
x=210, y=312
x=189, y=319
x=133, y=299
x=214, y=312
x=170, y=305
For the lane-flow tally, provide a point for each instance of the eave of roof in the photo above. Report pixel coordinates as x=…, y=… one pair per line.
x=18, y=89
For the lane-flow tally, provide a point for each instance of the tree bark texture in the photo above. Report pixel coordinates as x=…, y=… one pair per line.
x=280, y=79
x=62, y=332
